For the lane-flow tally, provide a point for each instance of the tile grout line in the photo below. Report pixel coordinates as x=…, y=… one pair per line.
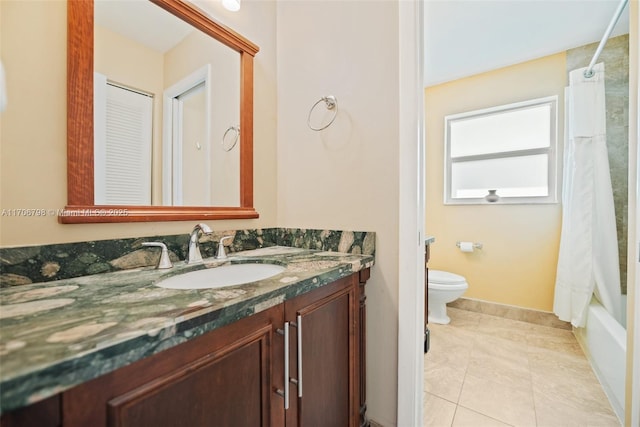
x=533, y=394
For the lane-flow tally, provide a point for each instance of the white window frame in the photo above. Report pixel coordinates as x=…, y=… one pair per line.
x=551, y=151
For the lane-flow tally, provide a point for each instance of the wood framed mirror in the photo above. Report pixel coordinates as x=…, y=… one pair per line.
x=81, y=206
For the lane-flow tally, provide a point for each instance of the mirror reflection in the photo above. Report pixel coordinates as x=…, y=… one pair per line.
x=166, y=110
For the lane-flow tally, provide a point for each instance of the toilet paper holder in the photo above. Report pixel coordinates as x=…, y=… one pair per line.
x=475, y=245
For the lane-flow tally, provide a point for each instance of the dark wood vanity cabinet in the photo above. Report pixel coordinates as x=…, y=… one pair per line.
x=324, y=385
x=221, y=378
x=235, y=375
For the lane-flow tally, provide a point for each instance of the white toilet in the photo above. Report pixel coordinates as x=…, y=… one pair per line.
x=443, y=287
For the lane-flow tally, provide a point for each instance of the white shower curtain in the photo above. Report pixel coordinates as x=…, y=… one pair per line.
x=588, y=258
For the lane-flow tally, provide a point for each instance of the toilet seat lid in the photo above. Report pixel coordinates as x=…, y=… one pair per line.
x=445, y=278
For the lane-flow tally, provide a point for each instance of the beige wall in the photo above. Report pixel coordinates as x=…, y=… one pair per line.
x=347, y=176
x=517, y=264
x=33, y=127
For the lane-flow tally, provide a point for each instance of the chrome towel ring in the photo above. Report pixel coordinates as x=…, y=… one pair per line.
x=331, y=103
x=225, y=145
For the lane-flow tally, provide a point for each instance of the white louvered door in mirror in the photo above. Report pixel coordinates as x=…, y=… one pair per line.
x=122, y=144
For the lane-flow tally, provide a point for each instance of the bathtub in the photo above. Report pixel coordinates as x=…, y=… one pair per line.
x=604, y=342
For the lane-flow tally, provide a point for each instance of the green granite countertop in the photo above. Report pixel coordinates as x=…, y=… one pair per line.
x=56, y=335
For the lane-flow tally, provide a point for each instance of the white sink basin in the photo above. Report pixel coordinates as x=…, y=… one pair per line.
x=219, y=277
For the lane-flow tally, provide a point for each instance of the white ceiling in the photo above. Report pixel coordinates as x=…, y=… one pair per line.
x=467, y=37
x=142, y=21
x=462, y=37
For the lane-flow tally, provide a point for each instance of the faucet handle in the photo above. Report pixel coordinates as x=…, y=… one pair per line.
x=202, y=227
x=221, y=252
x=164, y=261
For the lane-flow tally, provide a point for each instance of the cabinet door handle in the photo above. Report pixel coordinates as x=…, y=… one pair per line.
x=298, y=382
x=286, y=365
x=285, y=393
x=299, y=330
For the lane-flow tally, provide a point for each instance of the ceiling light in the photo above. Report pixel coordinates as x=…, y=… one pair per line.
x=232, y=5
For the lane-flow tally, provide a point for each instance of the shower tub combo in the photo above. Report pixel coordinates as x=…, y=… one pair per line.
x=604, y=342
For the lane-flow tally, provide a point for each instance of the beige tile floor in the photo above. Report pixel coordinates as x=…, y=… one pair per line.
x=485, y=370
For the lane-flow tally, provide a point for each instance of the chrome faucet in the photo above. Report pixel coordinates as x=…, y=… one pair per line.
x=221, y=252
x=193, y=253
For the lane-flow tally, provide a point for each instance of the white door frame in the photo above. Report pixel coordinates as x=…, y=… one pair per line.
x=635, y=321
x=633, y=304
x=171, y=135
x=411, y=270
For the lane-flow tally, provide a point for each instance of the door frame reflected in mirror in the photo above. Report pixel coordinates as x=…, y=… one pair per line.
x=81, y=207
x=172, y=141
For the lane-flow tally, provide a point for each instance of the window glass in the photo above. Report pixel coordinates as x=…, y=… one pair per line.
x=510, y=149
x=523, y=176
x=502, y=131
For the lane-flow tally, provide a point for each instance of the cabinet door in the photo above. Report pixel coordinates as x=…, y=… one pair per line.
x=323, y=369
x=222, y=378
x=45, y=413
